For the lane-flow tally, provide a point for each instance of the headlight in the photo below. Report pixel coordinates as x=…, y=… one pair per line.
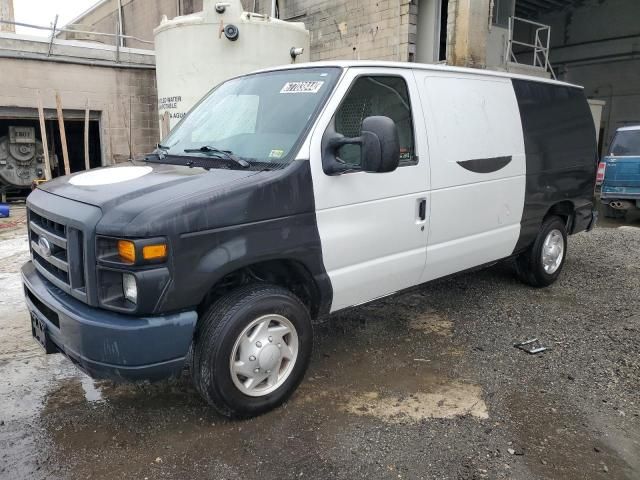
x=129, y=287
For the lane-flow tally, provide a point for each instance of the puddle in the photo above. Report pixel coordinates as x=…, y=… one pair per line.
x=23, y=390
x=91, y=392
x=394, y=380
x=446, y=401
x=14, y=320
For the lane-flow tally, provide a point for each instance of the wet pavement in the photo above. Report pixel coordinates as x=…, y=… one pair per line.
x=425, y=384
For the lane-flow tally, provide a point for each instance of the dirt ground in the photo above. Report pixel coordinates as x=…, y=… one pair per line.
x=426, y=384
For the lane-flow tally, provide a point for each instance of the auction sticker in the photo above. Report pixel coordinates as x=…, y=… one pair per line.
x=312, y=86
x=276, y=153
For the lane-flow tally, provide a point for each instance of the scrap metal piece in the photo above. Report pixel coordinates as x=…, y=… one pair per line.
x=531, y=346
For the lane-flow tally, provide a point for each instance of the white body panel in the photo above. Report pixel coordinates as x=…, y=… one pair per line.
x=373, y=242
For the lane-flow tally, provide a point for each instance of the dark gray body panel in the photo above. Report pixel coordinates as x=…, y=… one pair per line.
x=561, y=155
x=215, y=223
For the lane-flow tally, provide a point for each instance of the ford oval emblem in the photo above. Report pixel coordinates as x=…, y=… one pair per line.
x=45, y=246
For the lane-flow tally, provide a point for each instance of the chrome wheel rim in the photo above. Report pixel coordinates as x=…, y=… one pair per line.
x=552, y=251
x=264, y=355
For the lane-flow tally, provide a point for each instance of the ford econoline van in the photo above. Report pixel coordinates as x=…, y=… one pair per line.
x=292, y=193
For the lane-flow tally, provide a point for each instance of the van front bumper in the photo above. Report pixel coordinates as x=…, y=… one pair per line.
x=106, y=344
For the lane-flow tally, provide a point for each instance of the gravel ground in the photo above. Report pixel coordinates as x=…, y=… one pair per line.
x=426, y=384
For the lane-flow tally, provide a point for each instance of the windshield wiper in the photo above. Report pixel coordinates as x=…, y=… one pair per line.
x=225, y=154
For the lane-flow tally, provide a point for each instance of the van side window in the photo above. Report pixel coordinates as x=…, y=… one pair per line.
x=376, y=95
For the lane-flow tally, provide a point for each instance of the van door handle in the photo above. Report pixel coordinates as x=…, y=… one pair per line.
x=422, y=209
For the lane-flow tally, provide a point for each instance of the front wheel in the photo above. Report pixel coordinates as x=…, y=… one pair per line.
x=251, y=350
x=542, y=263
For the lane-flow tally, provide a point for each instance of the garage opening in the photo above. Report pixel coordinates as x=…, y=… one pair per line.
x=22, y=149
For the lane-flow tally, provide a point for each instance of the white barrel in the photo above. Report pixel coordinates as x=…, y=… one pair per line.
x=194, y=53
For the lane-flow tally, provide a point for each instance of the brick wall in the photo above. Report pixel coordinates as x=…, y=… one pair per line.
x=363, y=29
x=125, y=97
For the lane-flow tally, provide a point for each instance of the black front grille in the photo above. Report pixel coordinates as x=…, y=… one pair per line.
x=54, y=228
x=57, y=250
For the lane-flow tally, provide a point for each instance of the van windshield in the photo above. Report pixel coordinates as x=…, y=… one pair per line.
x=626, y=143
x=258, y=119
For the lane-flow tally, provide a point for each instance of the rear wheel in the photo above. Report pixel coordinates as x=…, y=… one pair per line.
x=542, y=263
x=251, y=350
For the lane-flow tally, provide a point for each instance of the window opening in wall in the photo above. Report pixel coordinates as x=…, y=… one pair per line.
x=444, y=16
x=502, y=10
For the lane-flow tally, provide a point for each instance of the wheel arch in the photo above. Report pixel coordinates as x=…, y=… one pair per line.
x=564, y=209
x=289, y=273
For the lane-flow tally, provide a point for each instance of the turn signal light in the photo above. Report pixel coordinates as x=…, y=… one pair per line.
x=127, y=251
x=154, y=252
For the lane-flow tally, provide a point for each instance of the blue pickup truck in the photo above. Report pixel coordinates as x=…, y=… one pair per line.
x=619, y=173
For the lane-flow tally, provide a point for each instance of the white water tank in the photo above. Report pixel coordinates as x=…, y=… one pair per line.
x=194, y=53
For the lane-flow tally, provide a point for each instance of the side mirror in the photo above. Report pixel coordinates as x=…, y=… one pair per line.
x=379, y=147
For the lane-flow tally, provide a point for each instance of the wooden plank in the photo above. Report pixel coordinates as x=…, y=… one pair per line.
x=43, y=136
x=87, y=166
x=63, y=135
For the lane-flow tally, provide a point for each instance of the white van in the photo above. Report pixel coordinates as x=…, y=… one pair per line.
x=296, y=192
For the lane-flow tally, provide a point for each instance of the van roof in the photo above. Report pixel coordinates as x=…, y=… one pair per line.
x=628, y=128
x=418, y=66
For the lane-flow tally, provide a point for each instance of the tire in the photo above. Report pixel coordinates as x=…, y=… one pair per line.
x=529, y=264
x=218, y=338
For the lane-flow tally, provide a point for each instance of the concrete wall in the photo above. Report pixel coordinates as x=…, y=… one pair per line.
x=467, y=31
x=6, y=14
x=125, y=97
x=598, y=45
x=496, y=41
x=364, y=29
x=139, y=18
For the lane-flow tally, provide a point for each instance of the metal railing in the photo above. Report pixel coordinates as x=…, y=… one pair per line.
x=539, y=48
x=55, y=31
